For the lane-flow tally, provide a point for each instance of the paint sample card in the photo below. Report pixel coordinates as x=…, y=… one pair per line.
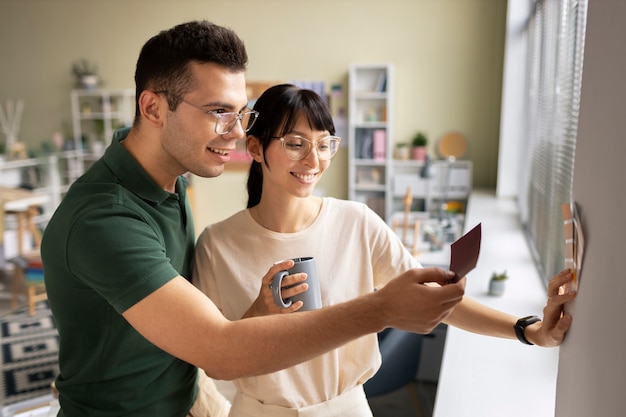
x=464, y=252
x=574, y=242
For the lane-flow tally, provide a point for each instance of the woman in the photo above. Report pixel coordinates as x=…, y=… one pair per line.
x=292, y=144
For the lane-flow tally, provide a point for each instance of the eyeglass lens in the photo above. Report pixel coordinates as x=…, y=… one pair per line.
x=227, y=121
x=297, y=147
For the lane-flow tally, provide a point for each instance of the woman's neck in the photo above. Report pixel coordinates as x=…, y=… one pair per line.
x=289, y=218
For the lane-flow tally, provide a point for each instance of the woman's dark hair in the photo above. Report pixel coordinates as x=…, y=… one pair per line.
x=279, y=108
x=163, y=62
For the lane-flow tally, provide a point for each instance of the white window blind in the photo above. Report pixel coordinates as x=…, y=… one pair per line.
x=554, y=73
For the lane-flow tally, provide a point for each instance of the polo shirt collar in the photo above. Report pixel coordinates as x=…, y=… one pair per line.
x=130, y=173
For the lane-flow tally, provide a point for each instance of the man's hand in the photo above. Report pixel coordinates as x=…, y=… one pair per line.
x=410, y=305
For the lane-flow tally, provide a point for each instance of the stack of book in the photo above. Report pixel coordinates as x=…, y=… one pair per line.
x=34, y=271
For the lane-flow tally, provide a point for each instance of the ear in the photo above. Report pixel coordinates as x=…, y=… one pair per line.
x=255, y=149
x=152, y=107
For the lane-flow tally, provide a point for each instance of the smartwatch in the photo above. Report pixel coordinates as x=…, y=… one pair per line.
x=520, y=326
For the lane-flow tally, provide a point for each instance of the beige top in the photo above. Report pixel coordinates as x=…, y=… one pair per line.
x=355, y=252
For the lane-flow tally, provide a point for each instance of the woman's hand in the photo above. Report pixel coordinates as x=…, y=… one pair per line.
x=550, y=332
x=264, y=304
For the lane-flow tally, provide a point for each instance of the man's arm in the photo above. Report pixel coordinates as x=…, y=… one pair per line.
x=181, y=320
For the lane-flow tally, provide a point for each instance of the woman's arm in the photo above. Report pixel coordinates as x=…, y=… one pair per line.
x=477, y=318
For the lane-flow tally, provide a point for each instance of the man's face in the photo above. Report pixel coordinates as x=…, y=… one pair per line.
x=189, y=136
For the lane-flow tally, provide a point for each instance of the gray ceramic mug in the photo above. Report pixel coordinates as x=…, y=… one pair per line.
x=311, y=298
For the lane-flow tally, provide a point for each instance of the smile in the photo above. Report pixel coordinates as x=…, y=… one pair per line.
x=220, y=151
x=308, y=177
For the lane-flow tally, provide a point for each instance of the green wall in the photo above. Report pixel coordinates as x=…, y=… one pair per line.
x=447, y=54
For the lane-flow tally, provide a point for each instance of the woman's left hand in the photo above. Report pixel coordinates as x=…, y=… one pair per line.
x=550, y=332
x=264, y=304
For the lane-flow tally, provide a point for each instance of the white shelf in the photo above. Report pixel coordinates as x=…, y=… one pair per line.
x=370, y=135
x=96, y=114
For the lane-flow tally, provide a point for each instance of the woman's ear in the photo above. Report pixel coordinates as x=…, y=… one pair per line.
x=254, y=148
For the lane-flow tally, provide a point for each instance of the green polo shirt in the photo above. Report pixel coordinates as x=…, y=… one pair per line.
x=115, y=238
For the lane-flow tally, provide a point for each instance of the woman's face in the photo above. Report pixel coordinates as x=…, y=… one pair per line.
x=298, y=178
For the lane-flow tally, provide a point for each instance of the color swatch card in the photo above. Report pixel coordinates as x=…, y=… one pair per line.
x=464, y=252
x=574, y=243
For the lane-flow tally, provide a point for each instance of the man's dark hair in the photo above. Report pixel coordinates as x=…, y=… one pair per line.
x=163, y=67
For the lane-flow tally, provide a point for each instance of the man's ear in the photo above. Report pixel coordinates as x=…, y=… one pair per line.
x=254, y=148
x=152, y=107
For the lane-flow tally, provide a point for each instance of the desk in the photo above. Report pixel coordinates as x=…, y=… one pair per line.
x=23, y=204
x=483, y=376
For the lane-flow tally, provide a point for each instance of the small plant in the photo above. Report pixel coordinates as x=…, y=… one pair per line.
x=499, y=276
x=496, y=283
x=84, y=68
x=86, y=74
x=420, y=140
x=402, y=151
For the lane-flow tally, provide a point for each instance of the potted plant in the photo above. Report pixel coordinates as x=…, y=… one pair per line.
x=403, y=152
x=419, y=146
x=86, y=74
x=497, y=283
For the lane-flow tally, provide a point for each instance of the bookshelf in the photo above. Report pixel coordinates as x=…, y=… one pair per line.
x=370, y=135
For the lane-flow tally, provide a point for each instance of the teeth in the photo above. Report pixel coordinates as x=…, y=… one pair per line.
x=219, y=151
x=304, y=177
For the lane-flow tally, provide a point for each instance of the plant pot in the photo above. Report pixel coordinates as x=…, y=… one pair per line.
x=402, y=153
x=89, y=82
x=419, y=153
x=497, y=287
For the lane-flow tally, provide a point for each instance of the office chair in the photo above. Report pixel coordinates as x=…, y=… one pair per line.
x=400, y=351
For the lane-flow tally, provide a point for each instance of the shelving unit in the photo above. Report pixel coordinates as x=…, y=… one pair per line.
x=96, y=114
x=450, y=181
x=370, y=135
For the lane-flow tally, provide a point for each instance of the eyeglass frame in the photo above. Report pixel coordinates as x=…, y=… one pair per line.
x=218, y=116
x=312, y=145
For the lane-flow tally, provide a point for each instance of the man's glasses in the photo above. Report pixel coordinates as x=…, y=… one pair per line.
x=297, y=148
x=225, y=122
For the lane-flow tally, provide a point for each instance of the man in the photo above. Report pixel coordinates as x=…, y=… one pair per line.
x=117, y=253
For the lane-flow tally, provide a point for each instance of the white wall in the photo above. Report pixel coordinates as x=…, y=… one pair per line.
x=592, y=366
x=512, y=118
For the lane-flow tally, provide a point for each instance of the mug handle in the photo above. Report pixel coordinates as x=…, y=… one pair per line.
x=277, y=282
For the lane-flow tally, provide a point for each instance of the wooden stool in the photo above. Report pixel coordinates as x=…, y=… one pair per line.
x=29, y=274
x=408, y=224
x=25, y=206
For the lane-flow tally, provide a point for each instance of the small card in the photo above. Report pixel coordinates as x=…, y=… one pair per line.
x=464, y=252
x=574, y=243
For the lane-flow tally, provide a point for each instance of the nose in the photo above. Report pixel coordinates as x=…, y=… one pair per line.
x=237, y=132
x=312, y=157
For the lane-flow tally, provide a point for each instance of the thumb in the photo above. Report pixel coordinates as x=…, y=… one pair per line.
x=437, y=275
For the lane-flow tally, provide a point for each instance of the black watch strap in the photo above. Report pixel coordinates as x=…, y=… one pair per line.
x=520, y=326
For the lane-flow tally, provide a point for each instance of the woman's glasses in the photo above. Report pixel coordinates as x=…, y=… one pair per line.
x=297, y=148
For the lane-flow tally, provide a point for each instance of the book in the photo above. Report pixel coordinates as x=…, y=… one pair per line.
x=380, y=144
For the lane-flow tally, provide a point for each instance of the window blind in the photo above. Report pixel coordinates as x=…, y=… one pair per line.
x=555, y=34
